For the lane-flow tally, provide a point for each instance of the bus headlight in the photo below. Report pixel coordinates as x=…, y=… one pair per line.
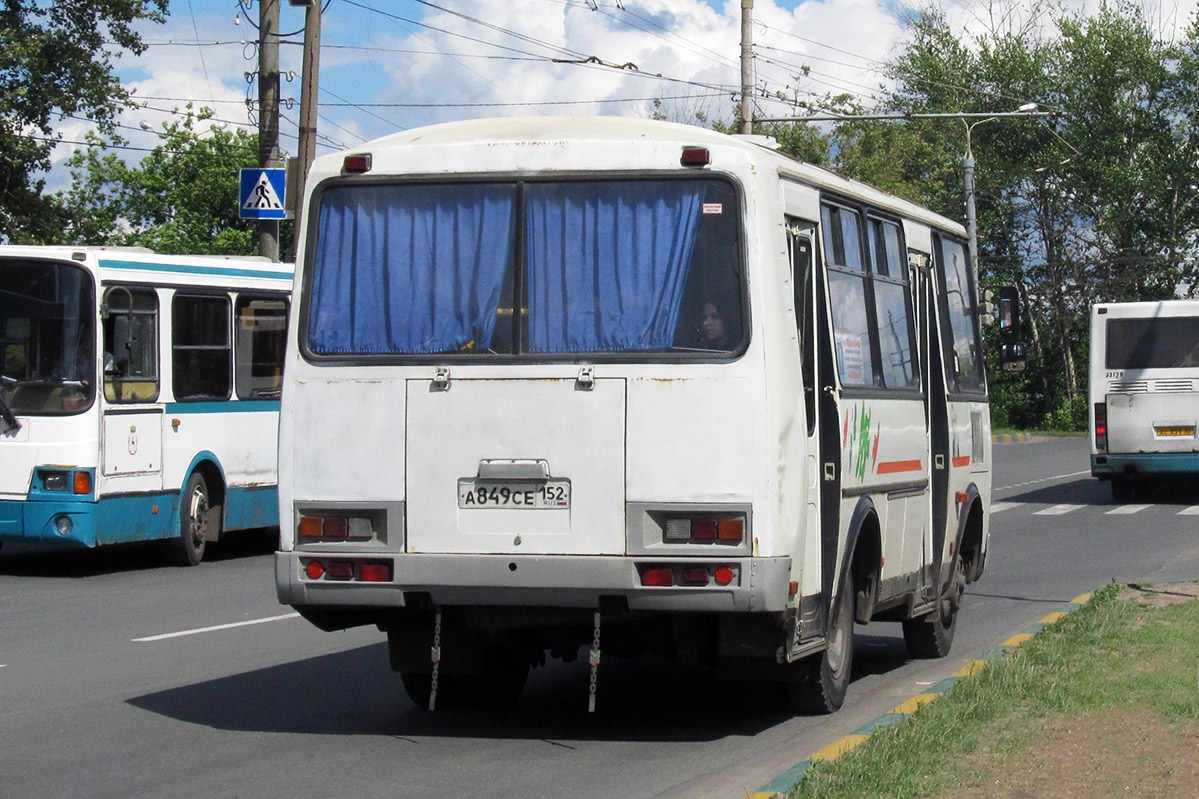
x=55, y=481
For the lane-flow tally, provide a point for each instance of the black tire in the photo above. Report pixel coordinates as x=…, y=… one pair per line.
x=826, y=678
x=199, y=522
x=1123, y=489
x=931, y=635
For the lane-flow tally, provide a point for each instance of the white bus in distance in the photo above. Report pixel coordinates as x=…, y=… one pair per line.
x=1144, y=392
x=629, y=386
x=139, y=396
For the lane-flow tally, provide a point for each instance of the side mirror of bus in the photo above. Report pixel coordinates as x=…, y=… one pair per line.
x=1012, y=357
x=1009, y=315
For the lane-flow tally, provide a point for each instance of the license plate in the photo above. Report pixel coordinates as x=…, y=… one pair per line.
x=1176, y=430
x=523, y=496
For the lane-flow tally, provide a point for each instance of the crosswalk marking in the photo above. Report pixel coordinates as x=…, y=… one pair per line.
x=1063, y=509
x=1125, y=509
x=1057, y=510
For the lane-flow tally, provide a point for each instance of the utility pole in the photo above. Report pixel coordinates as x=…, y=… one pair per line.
x=268, y=113
x=308, y=101
x=747, y=56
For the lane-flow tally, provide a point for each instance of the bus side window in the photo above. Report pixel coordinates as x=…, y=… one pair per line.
x=201, y=354
x=893, y=309
x=799, y=239
x=847, y=294
x=261, y=336
x=130, y=345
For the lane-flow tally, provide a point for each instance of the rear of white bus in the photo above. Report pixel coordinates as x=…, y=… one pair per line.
x=526, y=394
x=1144, y=392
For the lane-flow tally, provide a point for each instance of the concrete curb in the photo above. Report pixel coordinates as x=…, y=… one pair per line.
x=783, y=784
x=1010, y=438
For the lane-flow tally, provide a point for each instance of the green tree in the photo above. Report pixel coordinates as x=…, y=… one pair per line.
x=56, y=61
x=1096, y=204
x=181, y=198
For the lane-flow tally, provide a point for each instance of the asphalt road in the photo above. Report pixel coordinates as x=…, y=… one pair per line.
x=120, y=677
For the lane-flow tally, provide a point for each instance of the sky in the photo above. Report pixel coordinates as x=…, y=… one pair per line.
x=389, y=65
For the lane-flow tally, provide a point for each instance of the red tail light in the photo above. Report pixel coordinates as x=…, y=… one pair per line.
x=725, y=575
x=696, y=575
x=340, y=570
x=703, y=529
x=657, y=576
x=375, y=573
x=1101, y=426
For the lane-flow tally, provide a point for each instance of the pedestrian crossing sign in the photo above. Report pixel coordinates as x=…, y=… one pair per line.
x=262, y=193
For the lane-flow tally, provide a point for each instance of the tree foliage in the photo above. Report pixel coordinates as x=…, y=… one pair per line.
x=1096, y=204
x=181, y=198
x=55, y=62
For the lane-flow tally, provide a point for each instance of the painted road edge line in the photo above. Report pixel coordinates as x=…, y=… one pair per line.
x=214, y=628
x=783, y=784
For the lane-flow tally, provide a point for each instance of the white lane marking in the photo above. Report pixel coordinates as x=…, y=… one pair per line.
x=214, y=628
x=1191, y=511
x=1043, y=480
x=1058, y=510
x=996, y=507
x=1123, y=509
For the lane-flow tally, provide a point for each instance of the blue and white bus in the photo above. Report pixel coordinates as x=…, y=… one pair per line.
x=139, y=396
x=1144, y=393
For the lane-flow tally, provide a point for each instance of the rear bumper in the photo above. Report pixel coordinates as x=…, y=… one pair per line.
x=565, y=581
x=1104, y=466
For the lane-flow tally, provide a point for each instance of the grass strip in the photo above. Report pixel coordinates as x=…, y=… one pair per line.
x=1123, y=652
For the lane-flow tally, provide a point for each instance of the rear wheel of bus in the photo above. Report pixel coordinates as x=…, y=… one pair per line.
x=199, y=522
x=931, y=635
x=823, y=686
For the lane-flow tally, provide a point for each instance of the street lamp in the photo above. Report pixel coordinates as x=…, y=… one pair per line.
x=1028, y=109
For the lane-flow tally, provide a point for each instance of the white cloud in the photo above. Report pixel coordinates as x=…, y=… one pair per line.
x=435, y=75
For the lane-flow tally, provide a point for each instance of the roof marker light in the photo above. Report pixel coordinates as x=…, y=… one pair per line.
x=356, y=164
x=695, y=156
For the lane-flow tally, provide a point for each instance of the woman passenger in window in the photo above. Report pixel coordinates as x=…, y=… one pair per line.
x=719, y=325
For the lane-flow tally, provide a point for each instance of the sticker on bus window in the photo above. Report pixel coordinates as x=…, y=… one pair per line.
x=713, y=208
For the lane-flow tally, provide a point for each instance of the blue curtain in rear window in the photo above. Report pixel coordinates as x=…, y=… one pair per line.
x=409, y=269
x=608, y=262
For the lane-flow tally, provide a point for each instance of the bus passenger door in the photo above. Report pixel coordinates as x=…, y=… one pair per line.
x=131, y=442
x=820, y=401
x=937, y=412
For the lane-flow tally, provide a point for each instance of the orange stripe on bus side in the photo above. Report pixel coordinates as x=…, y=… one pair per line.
x=891, y=467
x=962, y=461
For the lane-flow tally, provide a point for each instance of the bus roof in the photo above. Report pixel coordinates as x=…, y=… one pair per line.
x=618, y=134
x=140, y=265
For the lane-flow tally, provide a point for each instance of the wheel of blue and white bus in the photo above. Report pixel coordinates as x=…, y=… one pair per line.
x=199, y=522
x=931, y=635
x=825, y=682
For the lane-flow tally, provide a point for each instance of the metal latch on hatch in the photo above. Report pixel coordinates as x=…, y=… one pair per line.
x=586, y=379
x=441, y=378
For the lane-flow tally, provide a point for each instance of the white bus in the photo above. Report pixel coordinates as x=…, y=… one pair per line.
x=139, y=396
x=1144, y=392
x=627, y=385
